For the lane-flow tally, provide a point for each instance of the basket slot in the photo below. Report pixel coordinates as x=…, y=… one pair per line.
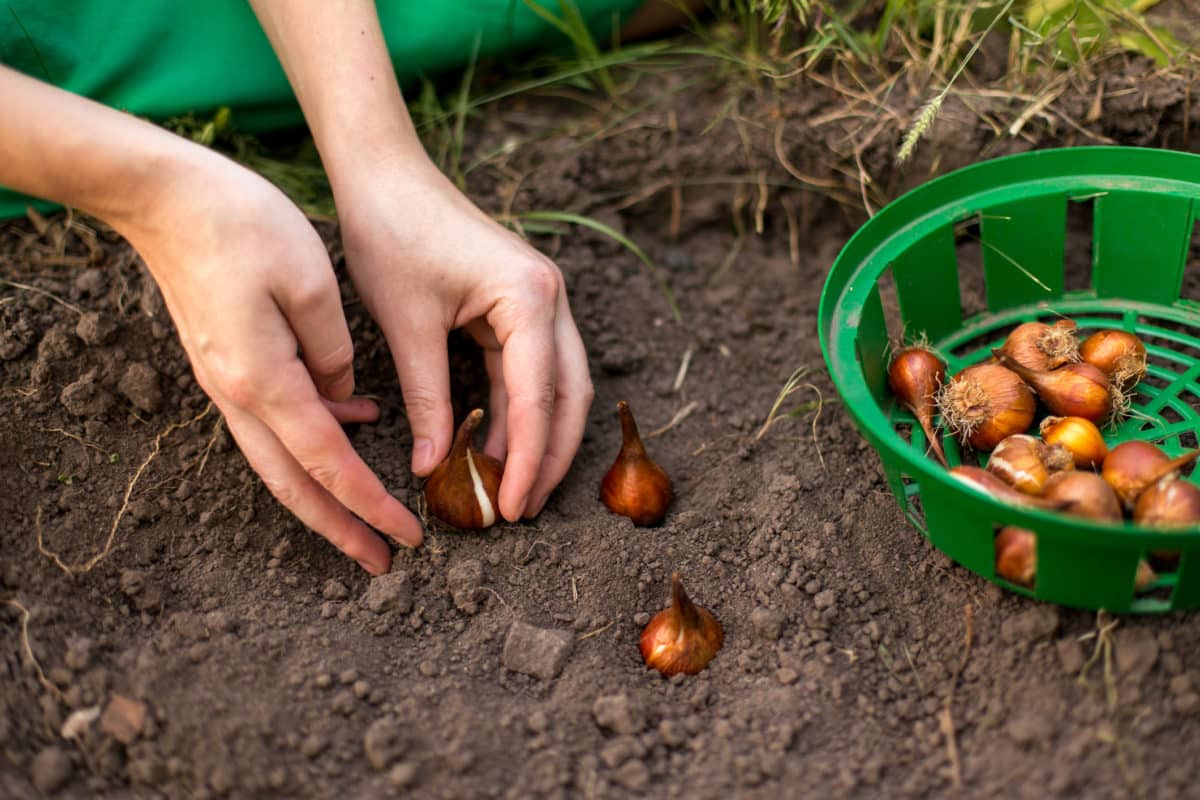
x=927, y=286
x=1141, y=245
x=871, y=347
x=1023, y=246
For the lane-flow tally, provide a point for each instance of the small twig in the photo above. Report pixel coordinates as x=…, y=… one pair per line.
x=496, y=595
x=574, y=590
x=681, y=375
x=27, y=649
x=679, y=417
x=789, y=212
x=912, y=665
x=212, y=440
x=26, y=287
x=87, y=566
x=945, y=718
x=76, y=437
x=596, y=632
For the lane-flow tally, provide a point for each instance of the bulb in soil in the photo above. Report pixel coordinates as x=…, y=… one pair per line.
x=1026, y=463
x=682, y=638
x=634, y=485
x=1039, y=346
x=984, y=404
x=915, y=376
x=463, y=490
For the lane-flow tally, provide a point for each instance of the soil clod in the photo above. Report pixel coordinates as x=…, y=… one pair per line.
x=540, y=652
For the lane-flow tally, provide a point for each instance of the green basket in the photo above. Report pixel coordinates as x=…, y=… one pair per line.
x=1145, y=205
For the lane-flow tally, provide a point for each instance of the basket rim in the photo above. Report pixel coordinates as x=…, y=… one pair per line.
x=949, y=198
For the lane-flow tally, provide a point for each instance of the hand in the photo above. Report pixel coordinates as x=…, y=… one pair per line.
x=425, y=260
x=249, y=285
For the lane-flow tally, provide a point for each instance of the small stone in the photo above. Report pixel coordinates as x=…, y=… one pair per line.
x=540, y=652
x=51, y=769
x=786, y=675
x=328, y=610
x=428, y=668
x=1187, y=703
x=334, y=590
x=313, y=745
x=361, y=689
x=323, y=681
x=390, y=592
x=465, y=580
x=132, y=581
x=1137, y=652
x=139, y=384
x=347, y=676
x=384, y=742
x=402, y=775
x=824, y=599
x=345, y=702
x=767, y=623
x=95, y=328
x=123, y=719
x=620, y=750
x=634, y=776
x=1070, y=655
x=617, y=713
x=641, y=618
x=1029, y=626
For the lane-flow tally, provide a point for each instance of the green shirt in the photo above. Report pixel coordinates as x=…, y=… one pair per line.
x=162, y=58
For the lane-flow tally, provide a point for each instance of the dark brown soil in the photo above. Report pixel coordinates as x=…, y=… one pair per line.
x=857, y=660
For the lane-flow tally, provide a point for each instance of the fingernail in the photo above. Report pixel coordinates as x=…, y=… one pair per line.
x=371, y=568
x=533, y=507
x=422, y=455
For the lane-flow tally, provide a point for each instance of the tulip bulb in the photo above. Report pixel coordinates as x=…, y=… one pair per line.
x=1170, y=503
x=1079, y=436
x=635, y=486
x=1076, y=390
x=1025, y=462
x=681, y=638
x=983, y=481
x=1016, y=555
x=1118, y=354
x=1039, y=346
x=463, y=490
x=1134, y=466
x=985, y=403
x=915, y=376
x=1084, y=494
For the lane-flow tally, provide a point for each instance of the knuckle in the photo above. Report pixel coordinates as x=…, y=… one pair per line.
x=336, y=361
x=239, y=385
x=544, y=282
x=422, y=403
x=308, y=291
x=286, y=492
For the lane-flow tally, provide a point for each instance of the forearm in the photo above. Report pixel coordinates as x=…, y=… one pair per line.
x=337, y=61
x=66, y=148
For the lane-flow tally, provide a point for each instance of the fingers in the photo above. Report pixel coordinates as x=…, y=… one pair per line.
x=528, y=364
x=298, y=492
x=422, y=364
x=311, y=434
x=313, y=307
x=573, y=400
x=356, y=409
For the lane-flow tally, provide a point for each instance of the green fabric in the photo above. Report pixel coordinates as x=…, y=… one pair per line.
x=161, y=58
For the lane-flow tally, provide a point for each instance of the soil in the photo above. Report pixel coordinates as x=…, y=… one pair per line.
x=235, y=654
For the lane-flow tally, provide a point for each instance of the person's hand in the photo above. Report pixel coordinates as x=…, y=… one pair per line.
x=250, y=287
x=425, y=260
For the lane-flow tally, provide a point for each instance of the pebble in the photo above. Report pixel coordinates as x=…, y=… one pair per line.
x=617, y=713
x=132, y=581
x=634, y=776
x=620, y=750
x=540, y=652
x=390, y=592
x=51, y=769
x=1137, y=652
x=313, y=745
x=347, y=676
x=123, y=719
x=824, y=599
x=323, y=681
x=786, y=675
x=402, y=775
x=384, y=742
x=465, y=579
x=334, y=590
x=767, y=623
x=641, y=618
x=429, y=668
x=344, y=702
x=1029, y=626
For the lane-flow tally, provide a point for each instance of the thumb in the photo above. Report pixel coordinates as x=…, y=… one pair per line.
x=422, y=363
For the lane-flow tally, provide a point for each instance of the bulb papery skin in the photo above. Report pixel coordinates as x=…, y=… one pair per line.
x=1016, y=555
x=982, y=480
x=634, y=485
x=915, y=376
x=1118, y=354
x=1042, y=346
x=682, y=638
x=1171, y=504
x=1134, y=466
x=1083, y=494
x=986, y=403
x=463, y=490
x=1079, y=436
x=1074, y=390
x=1025, y=462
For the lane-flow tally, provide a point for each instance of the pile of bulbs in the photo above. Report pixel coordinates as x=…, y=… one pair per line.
x=991, y=406
x=463, y=491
